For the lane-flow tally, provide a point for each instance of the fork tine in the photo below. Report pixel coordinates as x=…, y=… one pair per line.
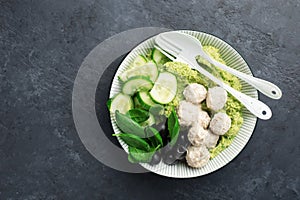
x=164, y=52
x=163, y=44
x=169, y=42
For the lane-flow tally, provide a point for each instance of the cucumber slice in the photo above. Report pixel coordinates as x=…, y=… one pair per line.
x=145, y=100
x=136, y=84
x=156, y=55
x=121, y=102
x=165, y=88
x=149, y=70
x=140, y=60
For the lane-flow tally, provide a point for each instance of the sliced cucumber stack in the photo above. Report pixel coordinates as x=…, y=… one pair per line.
x=121, y=102
x=135, y=84
x=148, y=69
x=165, y=88
x=145, y=100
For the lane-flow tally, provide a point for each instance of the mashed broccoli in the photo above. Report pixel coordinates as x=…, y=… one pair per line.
x=186, y=75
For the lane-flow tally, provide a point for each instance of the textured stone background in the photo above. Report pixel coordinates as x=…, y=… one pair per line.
x=43, y=43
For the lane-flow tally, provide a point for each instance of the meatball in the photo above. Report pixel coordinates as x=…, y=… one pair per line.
x=216, y=98
x=203, y=119
x=197, y=135
x=211, y=140
x=195, y=93
x=187, y=113
x=197, y=156
x=220, y=123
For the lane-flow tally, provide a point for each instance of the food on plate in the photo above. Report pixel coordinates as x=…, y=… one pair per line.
x=197, y=135
x=120, y=102
x=135, y=84
x=195, y=93
x=165, y=88
x=149, y=70
x=216, y=98
x=211, y=139
x=140, y=60
x=188, y=113
x=220, y=123
x=128, y=125
x=167, y=112
x=197, y=156
x=203, y=119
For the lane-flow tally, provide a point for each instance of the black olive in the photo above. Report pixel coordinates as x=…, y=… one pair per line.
x=183, y=136
x=183, y=139
x=163, y=131
x=156, y=158
x=167, y=148
x=169, y=158
x=179, y=151
x=164, y=136
x=182, y=158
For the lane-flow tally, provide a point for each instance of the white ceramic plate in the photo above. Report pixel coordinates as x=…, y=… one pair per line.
x=234, y=60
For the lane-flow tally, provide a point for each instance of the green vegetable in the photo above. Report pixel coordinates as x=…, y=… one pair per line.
x=139, y=156
x=148, y=70
x=165, y=88
x=134, y=141
x=153, y=135
x=135, y=84
x=173, y=127
x=149, y=122
x=140, y=60
x=136, y=103
x=158, y=57
x=127, y=125
x=138, y=115
x=145, y=100
x=108, y=103
x=121, y=102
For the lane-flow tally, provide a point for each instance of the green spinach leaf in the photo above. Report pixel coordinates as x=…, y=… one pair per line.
x=138, y=115
x=139, y=156
x=134, y=141
x=108, y=103
x=153, y=135
x=127, y=125
x=173, y=127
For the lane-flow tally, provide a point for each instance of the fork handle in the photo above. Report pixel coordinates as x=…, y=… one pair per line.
x=267, y=88
x=256, y=107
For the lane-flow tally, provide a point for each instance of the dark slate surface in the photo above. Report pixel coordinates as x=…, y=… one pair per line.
x=43, y=43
